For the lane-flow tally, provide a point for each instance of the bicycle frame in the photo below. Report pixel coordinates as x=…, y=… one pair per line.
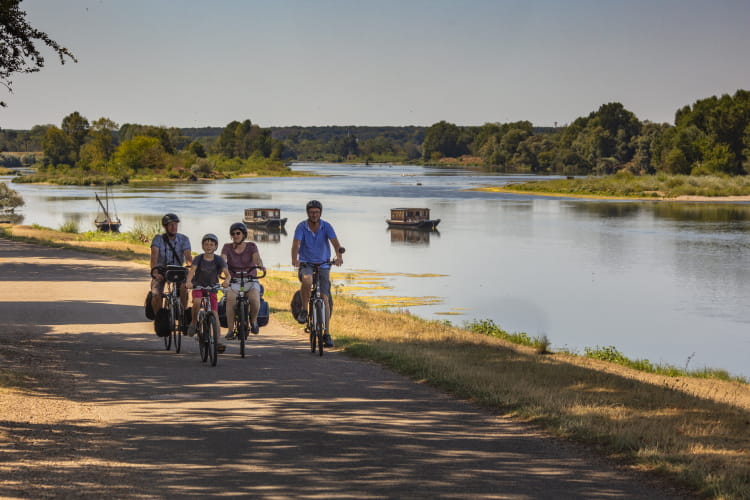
x=316, y=310
x=208, y=325
x=241, y=318
x=175, y=276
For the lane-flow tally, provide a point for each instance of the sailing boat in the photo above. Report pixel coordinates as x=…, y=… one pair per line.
x=106, y=222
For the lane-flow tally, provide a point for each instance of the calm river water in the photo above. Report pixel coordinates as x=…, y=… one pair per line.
x=663, y=281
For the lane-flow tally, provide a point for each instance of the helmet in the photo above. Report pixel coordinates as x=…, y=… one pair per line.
x=169, y=218
x=238, y=225
x=210, y=236
x=314, y=204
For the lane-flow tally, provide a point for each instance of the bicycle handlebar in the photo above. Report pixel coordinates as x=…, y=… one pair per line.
x=328, y=262
x=246, y=274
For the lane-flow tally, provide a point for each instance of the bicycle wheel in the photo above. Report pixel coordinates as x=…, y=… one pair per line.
x=242, y=325
x=168, y=338
x=320, y=323
x=311, y=328
x=212, y=338
x=177, y=326
x=203, y=339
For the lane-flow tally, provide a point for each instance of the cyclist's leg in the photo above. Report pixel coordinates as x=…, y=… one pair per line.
x=214, y=304
x=254, y=299
x=194, y=312
x=324, y=282
x=305, y=277
x=157, y=289
x=231, y=293
x=183, y=295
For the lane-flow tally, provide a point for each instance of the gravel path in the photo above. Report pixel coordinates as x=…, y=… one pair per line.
x=107, y=412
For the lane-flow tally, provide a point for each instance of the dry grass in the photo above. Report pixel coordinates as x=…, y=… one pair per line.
x=695, y=431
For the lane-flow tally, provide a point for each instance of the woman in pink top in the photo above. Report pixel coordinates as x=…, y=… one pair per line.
x=240, y=256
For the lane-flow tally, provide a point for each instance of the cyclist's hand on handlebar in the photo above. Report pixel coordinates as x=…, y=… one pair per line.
x=338, y=261
x=226, y=283
x=189, y=285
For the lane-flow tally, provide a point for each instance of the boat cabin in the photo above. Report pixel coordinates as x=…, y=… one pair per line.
x=412, y=217
x=269, y=217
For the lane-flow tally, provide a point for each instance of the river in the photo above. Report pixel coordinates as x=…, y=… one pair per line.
x=658, y=280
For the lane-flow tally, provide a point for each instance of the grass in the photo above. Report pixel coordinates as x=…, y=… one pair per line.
x=694, y=431
x=626, y=185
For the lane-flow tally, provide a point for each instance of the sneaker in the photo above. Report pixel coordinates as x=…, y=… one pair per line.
x=302, y=317
x=229, y=335
x=254, y=328
x=220, y=348
x=191, y=330
x=327, y=340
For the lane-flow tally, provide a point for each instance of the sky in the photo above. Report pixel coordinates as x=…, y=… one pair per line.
x=197, y=63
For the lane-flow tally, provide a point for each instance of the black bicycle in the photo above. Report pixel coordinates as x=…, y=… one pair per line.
x=207, y=326
x=175, y=277
x=316, y=308
x=242, y=306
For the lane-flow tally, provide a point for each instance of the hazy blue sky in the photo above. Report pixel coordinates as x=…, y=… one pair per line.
x=404, y=62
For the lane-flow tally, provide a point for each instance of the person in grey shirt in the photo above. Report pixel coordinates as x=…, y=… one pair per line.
x=169, y=248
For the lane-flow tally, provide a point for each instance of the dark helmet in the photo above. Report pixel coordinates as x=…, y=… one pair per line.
x=210, y=236
x=238, y=225
x=169, y=218
x=314, y=204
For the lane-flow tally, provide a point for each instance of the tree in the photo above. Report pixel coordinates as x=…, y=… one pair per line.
x=138, y=154
x=9, y=199
x=95, y=154
x=57, y=147
x=76, y=127
x=18, y=44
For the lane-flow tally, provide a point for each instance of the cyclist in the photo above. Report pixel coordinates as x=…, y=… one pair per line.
x=240, y=255
x=311, y=246
x=169, y=248
x=205, y=271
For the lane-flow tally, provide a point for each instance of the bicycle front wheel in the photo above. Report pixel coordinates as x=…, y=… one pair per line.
x=203, y=333
x=168, y=338
x=176, y=321
x=213, y=339
x=320, y=323
x=242, y=325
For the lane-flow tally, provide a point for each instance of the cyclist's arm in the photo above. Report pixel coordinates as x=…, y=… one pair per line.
x=154, y=261
x=337, y=248
x=257, y=261
x=295, y=252
x=227, y=276
x=189, y=279
x=188, y=257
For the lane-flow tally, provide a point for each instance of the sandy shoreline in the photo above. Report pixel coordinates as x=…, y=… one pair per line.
x=689, y=198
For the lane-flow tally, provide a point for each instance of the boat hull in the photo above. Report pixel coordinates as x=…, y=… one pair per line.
x=266, y=223
x=419, y=224
x=108, y=227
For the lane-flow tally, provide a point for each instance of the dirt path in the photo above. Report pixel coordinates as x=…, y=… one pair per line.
x=115, y=415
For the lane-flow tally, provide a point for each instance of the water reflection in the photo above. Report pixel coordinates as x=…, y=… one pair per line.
x=412, y=236
x=269, y=235
x=702, y=212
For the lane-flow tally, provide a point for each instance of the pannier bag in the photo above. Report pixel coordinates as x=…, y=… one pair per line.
x=148, y=307
x=161, y=323
x=263, y=313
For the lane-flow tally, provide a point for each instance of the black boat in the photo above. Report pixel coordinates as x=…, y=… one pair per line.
x=106, y=222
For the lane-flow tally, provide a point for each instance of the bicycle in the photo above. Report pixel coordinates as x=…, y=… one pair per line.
x=316, y=309
x=174, y=276
x=208, y=326
x=242, y=307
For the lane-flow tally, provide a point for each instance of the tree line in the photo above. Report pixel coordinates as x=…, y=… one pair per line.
x=711, y=136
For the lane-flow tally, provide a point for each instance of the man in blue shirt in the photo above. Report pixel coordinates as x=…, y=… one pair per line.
x=311, y=246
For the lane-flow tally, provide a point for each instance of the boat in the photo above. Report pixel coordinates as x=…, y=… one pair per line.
x=418, y=218
x=106, y=222
x=264, y=217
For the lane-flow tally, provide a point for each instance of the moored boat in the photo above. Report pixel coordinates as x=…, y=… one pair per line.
x=418, y=218
x=264, y=217
x=106, y=221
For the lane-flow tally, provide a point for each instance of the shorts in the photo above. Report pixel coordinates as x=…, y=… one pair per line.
x=324, y=277
x=234, y=287
x=197, y=294
x=157, y=286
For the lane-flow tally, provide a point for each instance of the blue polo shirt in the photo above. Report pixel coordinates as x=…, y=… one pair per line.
x=314, y=247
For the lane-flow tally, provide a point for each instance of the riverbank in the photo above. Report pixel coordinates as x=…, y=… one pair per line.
x=692, y=431
x=623, y=186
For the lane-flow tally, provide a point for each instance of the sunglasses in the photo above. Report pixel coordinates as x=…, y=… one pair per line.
x=237, y=233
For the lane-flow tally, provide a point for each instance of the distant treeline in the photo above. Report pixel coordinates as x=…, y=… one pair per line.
x=711, y=136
